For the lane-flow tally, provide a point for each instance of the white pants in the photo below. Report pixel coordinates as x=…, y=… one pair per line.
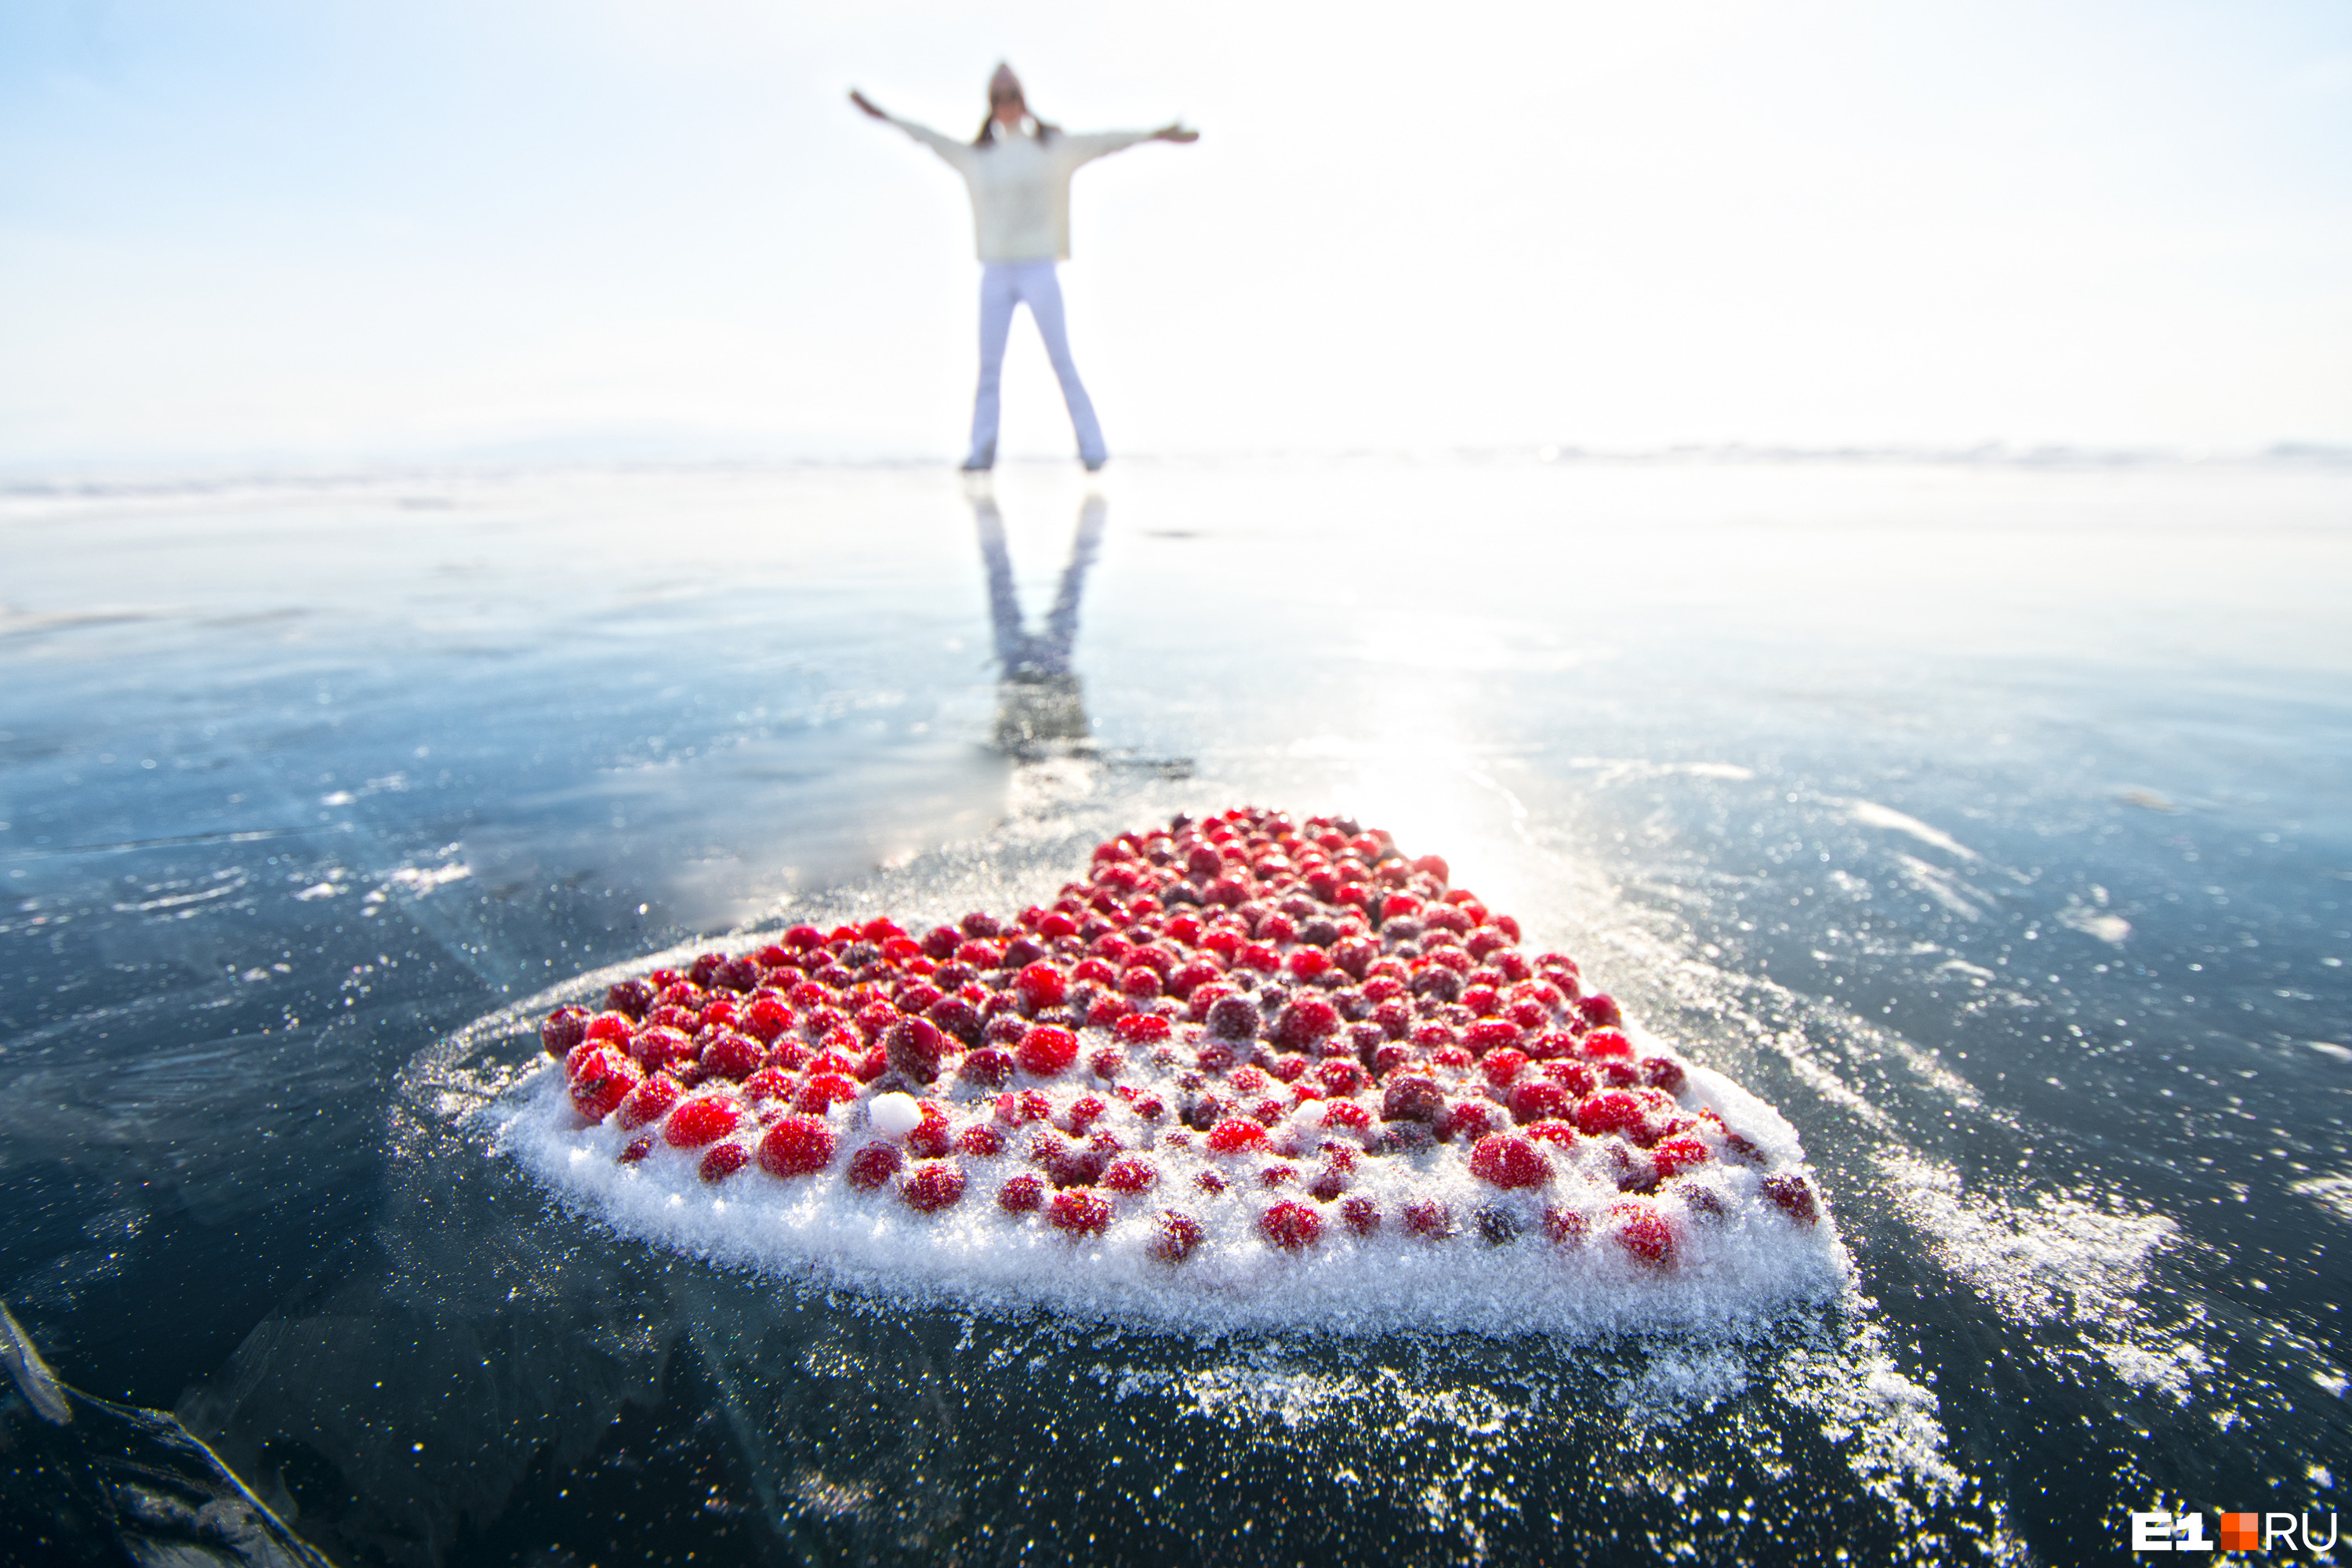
x=1004, y=285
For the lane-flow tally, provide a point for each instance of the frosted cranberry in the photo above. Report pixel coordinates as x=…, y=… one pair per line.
x=1021, y=952
x=1328, y=1184
x=1047, y=1049
x=1134, y=1174
x=1611, y=1110
x=873, y=1165
x=1565, y=1227
x=1291, y=1226
x=1079, y=1211
x=1673, y=1156
x=1605, y=1045
x=701, y=1120
x=981, y=1141
x=766, y=1018
x=1277, y=1175
x=1030, y=1105
x=1428, y=1219
x=989, y=1068
x=1485, y=1001
x=803, y=937
x=1551, y=1131
x=1537, y=1100
x=1022, y=1195
x=1175, y=1236
x=659, y=1046
x=1302, y=1023
x=1661, y=1072
x=1388, y=1060
x=1502, y=1066
x=824, y=1090
x=1451, y=1056
x=636, y=1152
x=1340, y=1078
x=1362, y=1215
x=1393, y=1016
x=1508, y=1163
x=649, y=1102
x=1233, y=1019
x=604, y=1079
x=956, y=1017
x=1574, y=1077
x=1346, y=1113
x=873, y=1065
x=1149, y=1108
x=916, y=1048
x=564, y=1028
x=1642, y=1231
x=630, y=996
x=1042, y=985
x=1057, y=924
x=932, y=1185
x=1413, y=1098
x=1600, y=1010
x=704, y=967
x=1233, y=1135
x=1472, y=1119
x=769, y=1083
x=1795, y=1196
x=1141, y=981
x=732, y=1056
x=1215, y=1056
x=613, y=1028
x=1107, y=1009
x=1208, y=1181
x=1490, y=1035
x=722, y=1162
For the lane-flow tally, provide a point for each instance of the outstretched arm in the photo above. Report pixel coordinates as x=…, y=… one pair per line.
x=945, y=146
x=1095, y=144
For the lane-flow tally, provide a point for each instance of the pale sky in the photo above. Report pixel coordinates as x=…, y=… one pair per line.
x=309, y=230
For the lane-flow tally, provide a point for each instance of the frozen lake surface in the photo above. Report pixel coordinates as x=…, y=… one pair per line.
x=1989, y=820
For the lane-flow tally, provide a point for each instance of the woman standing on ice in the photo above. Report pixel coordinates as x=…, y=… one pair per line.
x=1018, y=169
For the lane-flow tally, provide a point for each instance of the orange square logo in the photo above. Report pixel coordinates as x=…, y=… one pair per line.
x=2242, y=1533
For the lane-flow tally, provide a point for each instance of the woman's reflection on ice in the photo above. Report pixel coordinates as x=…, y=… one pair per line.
x=1041, y=708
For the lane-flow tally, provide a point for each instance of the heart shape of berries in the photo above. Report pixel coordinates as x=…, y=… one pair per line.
x=1250, y=1070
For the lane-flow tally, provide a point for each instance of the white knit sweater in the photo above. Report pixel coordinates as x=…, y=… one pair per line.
x=1021, y=186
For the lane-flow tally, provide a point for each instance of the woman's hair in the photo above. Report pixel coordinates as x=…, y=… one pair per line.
x=1046, y=132
x=1004, y=84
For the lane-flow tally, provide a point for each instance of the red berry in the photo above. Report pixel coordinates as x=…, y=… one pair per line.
x=1291, y=1226
x=1611, y=1110
x=1047, y=1049
x=1080, y=1211
x=1429, y=1220
x=981, y=1141
x=1642, y=1231
x=723, y=1160
x=1660, y=1072
x=933, y=1185
x=1413, y=1098
x=796, y=1146
x=564, y=1028
x=1507, y=1162
x=1346, y=1113
x=1574, y=1077
x=1489, y=1034
x=1362, y=1215
x=732, y=1056
x=823, y=1089
x=873, y=1165
x=1563, y=1133
x=1277, y=1175
x=1139, y=1028
x=916, y=1048
x=1676, y=1155
x=604, y=1079
x=768, y=1083
x=704, y=1119
x=1600, y=1011
x=1795, y=1195
x=1339, y=1078
x=1471, y=1118
x=1022, y=1195
x=650, y=1101
x=638, y=1149
x=1210, y=1181
x=1042, y=985
x=1134, y=1174
x=615, y=1026
x=1175, y=1236
x=766, y=1018
x=1502, y=1066
x=1565, y=1226
x=1607, y=1045
x=1231, y=1136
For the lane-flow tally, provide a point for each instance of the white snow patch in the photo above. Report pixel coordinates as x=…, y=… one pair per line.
x=1869, y=814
